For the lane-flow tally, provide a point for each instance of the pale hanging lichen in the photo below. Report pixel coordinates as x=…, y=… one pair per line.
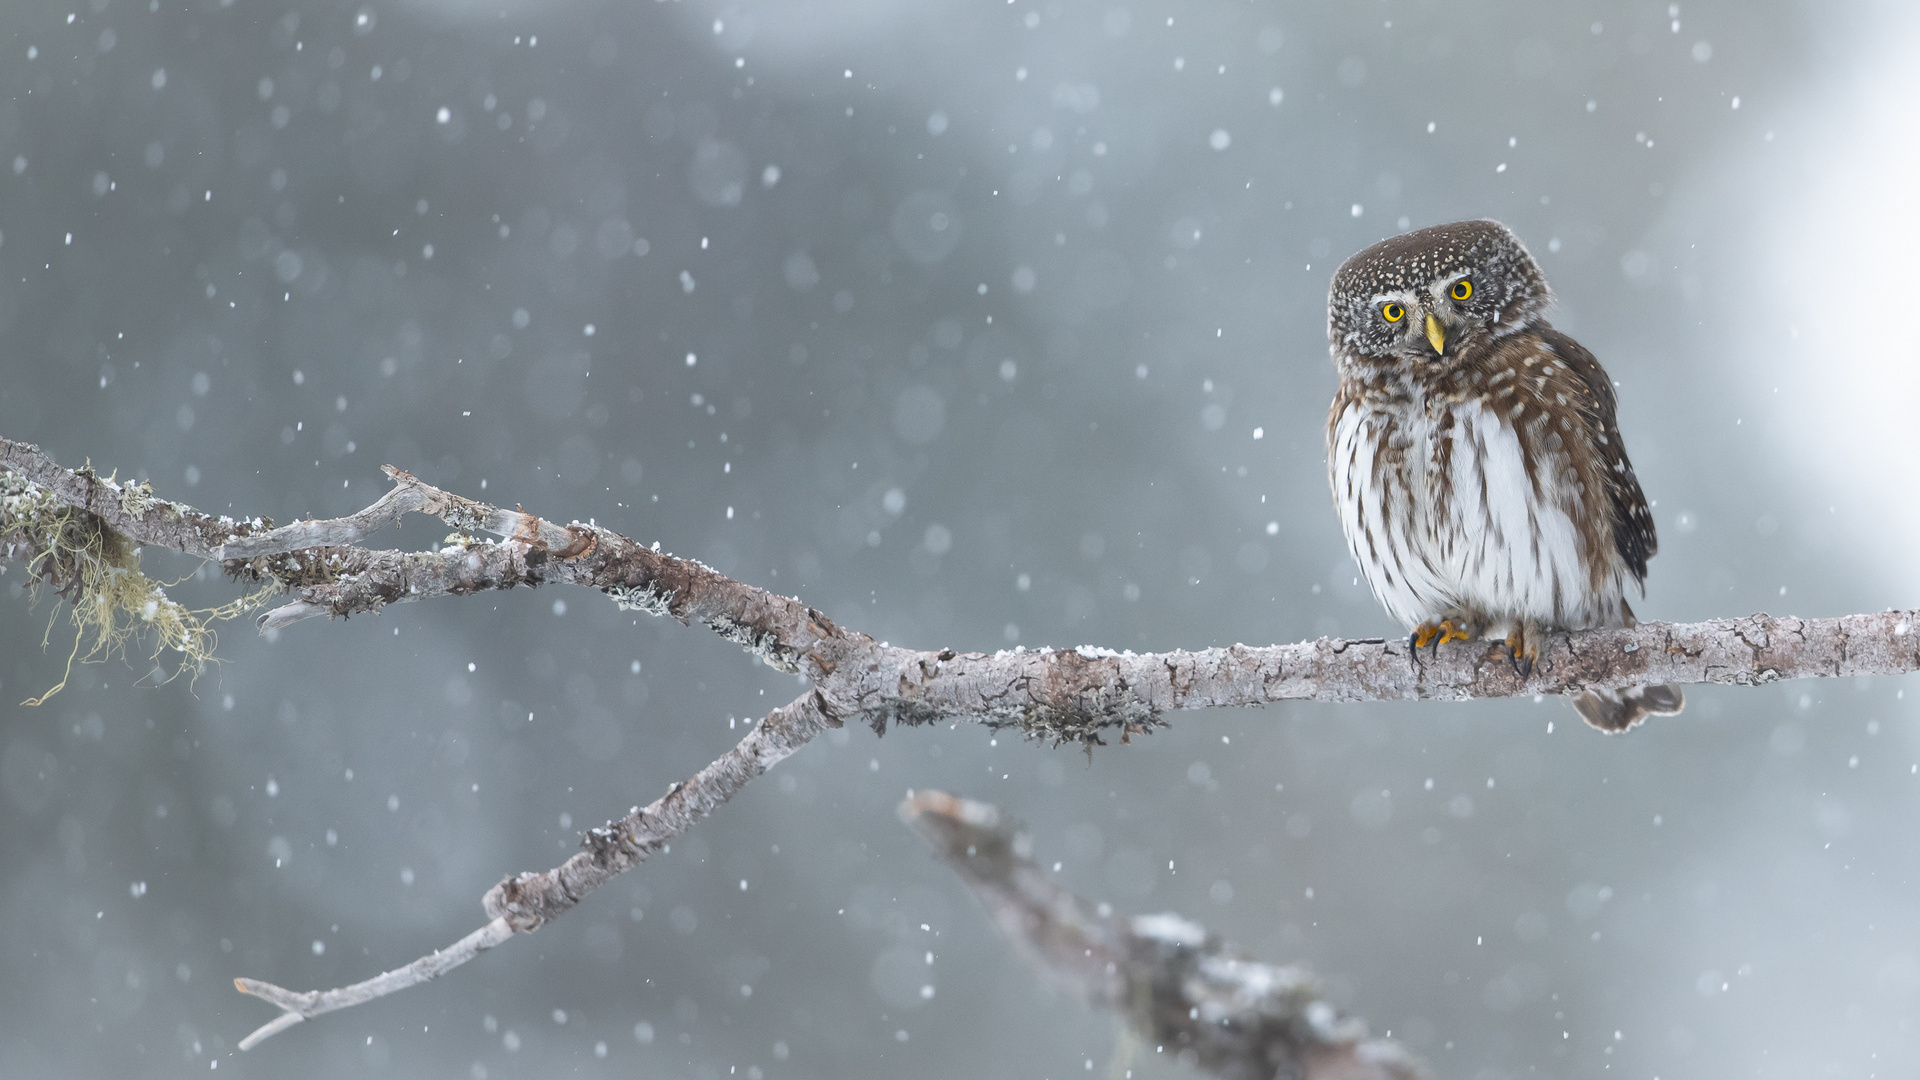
x=111, y=603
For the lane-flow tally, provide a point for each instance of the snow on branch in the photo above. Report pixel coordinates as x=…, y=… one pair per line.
x=1179, y=988
x=75, y=529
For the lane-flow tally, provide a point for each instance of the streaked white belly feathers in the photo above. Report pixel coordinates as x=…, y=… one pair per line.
x=1444, y=519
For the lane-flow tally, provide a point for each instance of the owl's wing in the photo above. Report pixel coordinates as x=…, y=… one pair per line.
x=1633, y=533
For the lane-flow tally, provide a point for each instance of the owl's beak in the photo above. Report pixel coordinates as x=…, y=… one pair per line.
x=1435, y=335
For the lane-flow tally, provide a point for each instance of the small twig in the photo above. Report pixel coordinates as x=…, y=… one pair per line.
x=1172, y=982
x=287, y=614
x=405, y=498
x=410, y=495
x=526, y=902
x=309, y=1004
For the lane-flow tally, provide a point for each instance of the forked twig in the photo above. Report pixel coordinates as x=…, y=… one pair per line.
x=311, y=1003
x=526, y=902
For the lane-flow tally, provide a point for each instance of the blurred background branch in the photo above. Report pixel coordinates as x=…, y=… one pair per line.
x=1178, y=988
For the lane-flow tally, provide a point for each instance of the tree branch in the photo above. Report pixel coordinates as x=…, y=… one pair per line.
x=305, y=1006
x=527, y=901
x=127, y=508
x=1060, y=694
x=1077, y=695
x=1173, y=983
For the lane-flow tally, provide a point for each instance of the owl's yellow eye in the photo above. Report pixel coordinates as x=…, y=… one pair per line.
x=1461, y=289
x=1392, y=312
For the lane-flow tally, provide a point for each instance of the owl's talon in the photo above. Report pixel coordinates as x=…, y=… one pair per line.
x=1431, y=635
x=1522, y=651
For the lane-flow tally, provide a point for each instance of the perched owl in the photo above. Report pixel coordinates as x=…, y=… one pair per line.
x=1476, y=464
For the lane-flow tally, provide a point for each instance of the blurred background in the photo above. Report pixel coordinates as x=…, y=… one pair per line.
x=973, y=324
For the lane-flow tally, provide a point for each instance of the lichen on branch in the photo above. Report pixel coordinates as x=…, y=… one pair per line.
x=111, y=603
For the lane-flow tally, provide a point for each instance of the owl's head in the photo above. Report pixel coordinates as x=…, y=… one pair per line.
x=1426, y=297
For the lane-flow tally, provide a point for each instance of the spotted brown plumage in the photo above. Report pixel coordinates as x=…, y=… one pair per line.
x=1474, y=455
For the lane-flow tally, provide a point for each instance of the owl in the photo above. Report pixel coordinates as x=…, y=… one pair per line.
x=1476, y=464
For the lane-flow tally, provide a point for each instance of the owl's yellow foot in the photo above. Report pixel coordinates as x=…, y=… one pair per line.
x=1432, y=635
x=1523, y=648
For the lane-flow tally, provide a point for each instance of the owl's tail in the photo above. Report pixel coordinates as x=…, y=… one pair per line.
x=1614, y=711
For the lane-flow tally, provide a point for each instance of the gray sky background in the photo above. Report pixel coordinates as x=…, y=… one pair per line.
x=974, y=324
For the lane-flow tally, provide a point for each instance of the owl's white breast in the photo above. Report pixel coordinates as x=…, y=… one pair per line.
x=1510, y=544
x=1369, y=452
x=1444, y=518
